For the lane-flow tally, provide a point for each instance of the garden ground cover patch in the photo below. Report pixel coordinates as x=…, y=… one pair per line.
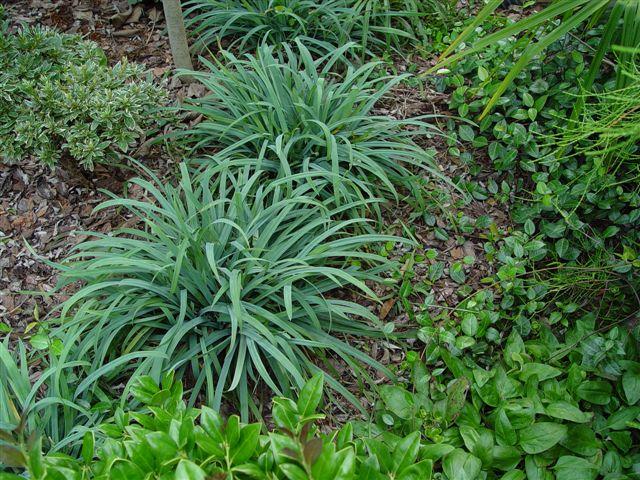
x=49, y=206
x=506, y=329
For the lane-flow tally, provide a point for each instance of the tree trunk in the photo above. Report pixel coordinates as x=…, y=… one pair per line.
x=177, y=34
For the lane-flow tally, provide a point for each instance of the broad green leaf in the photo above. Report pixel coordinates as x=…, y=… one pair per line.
x=575, y=468
x=595, y=391
x=514, y=475
x=188, y=470
x=405, y=452
x=581, y=439
x=293, y=472
x=505, y=433
x=540, y=370
x=162, y=446
x=479, y=442
x=122, y=469
x=620, y=419
x=436, y=451
x=88, y=443
x=566, y=411
x=506, y=458
x=541, y=436
x=398, y=400
x=456, y=272
x=456, y=396
x=246, y=445
x=310, y=395
x=460, y=465
x=631, y=385
x=422, y=470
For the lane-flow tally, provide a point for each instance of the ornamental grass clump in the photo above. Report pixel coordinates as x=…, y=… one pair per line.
x=59, y=100
x=376, y=26
x=226, y=281
x=245, y=25
x=291, y=113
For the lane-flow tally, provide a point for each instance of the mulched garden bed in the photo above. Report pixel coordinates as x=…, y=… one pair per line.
x=47, y=210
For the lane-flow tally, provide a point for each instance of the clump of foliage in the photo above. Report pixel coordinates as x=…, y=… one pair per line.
x=577, y=198
x=245, y=25
x=620, y=20
x=43, y=402
x=60, y=99
x=607, y=136
x=536, y=375
x=225, y=281
x=228, y=278
x=563, y=403
x=293, y=115
x=538, y=101
x=166, y=439
x=373, y=24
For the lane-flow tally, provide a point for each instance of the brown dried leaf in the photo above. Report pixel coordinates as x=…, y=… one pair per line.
x=386, y=308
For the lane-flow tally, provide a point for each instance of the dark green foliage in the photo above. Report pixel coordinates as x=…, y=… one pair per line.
x=555, y=22
x=225, y=281
x=536, y=375
x=245, y=274
x=607, y=136
x=60, y=99
x=580, y=215
x=166, y=439
x=539, y=100
x=568, y=404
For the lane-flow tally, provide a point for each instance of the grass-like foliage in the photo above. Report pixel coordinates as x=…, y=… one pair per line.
x=60, y=99
x=292, y=113
x=247, y=24
x=225, y=281
x=547, y=26
x=375, y=25
x=40, y=401
x=607, y=136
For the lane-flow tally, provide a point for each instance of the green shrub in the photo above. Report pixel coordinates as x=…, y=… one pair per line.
x=227, y=279
x=169, y=440
x=60, y=99
x=295, y=116
x=373, y=24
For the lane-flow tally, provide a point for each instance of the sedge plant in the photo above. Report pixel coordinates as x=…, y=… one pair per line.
x=607, y=136
x=37, y=398
x=375, y=25
x=244, y=25
x=293, y=115
x=227, y=281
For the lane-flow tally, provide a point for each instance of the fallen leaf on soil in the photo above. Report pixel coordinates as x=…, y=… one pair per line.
x=386, y=308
